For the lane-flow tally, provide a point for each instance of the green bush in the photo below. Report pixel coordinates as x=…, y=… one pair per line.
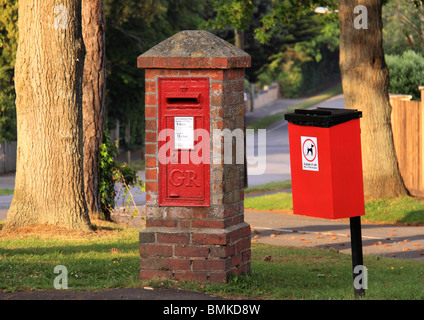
x=111, y=172
x=406, y=73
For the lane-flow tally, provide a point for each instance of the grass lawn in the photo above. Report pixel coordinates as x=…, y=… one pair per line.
x=109, y=258
x=272, y=186
x=404, y=210
x=264, y=122
x=305, y=273
x=6, y=192
x=281, y=201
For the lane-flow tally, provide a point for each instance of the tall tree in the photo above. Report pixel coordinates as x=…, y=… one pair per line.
x=403, y=26
x=365, y=86
x=49, y=185
x=235, y=14
x=364, y=80
x=94, y=86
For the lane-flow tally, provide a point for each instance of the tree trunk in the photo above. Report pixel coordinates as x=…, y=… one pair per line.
x=239, y=39
x=49, y=185
x=365, y=86
x=94, y=85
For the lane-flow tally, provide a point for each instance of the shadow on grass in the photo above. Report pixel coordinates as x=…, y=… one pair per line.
x=414, y=218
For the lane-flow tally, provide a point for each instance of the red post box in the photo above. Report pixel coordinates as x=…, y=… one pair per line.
x=326, y=163
x=183, y=116
x=195, y=228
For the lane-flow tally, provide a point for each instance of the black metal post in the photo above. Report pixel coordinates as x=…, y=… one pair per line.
x=357, y=257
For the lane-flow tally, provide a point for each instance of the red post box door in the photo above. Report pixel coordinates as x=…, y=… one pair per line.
x=184, y=144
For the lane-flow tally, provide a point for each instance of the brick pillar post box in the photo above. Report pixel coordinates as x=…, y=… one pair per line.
x=195, y=227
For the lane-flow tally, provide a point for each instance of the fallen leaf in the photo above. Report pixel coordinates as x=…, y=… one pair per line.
x=277, y=232
x=114, y=250
x=405, y=249
x=272, y=235
x=256, y=237
x=268, y=258
x=306, y=241
x=333, y=238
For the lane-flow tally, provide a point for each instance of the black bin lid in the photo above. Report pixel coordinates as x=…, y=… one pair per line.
x=322, y=117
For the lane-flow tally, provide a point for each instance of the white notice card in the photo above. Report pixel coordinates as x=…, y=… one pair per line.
x=184, y=132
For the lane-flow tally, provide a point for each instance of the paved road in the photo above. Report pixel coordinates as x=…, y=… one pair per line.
x=277, y=155
x=276, y=158
x=113, y=294
x=384, y=240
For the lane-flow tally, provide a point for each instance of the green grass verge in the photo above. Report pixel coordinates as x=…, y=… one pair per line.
x=6, y=192
x=264, y=122
x=306, y=273
x=272, y=186
x=403, y=210
x=110, y=259
x=406, y=210
x=281, y=201
x=28, y=259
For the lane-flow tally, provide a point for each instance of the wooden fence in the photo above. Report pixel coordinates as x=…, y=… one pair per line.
x=408, y=136
x=7, y=157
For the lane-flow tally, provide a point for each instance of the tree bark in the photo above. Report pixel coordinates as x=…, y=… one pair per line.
x=365, y=86
x=239, y=39
x=94, y=86
x=49, y=185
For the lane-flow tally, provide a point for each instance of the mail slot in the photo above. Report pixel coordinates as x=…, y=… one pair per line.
x=184, y=145
x=326, y=163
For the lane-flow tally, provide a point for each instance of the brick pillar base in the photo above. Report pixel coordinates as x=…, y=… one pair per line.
x=195, y=254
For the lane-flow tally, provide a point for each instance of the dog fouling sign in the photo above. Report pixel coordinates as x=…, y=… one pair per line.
x=309, y=153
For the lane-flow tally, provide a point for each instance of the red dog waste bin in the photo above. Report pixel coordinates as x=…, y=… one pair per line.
x=326, y=163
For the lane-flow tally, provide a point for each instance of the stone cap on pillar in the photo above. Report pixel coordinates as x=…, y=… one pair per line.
x=194, y=49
